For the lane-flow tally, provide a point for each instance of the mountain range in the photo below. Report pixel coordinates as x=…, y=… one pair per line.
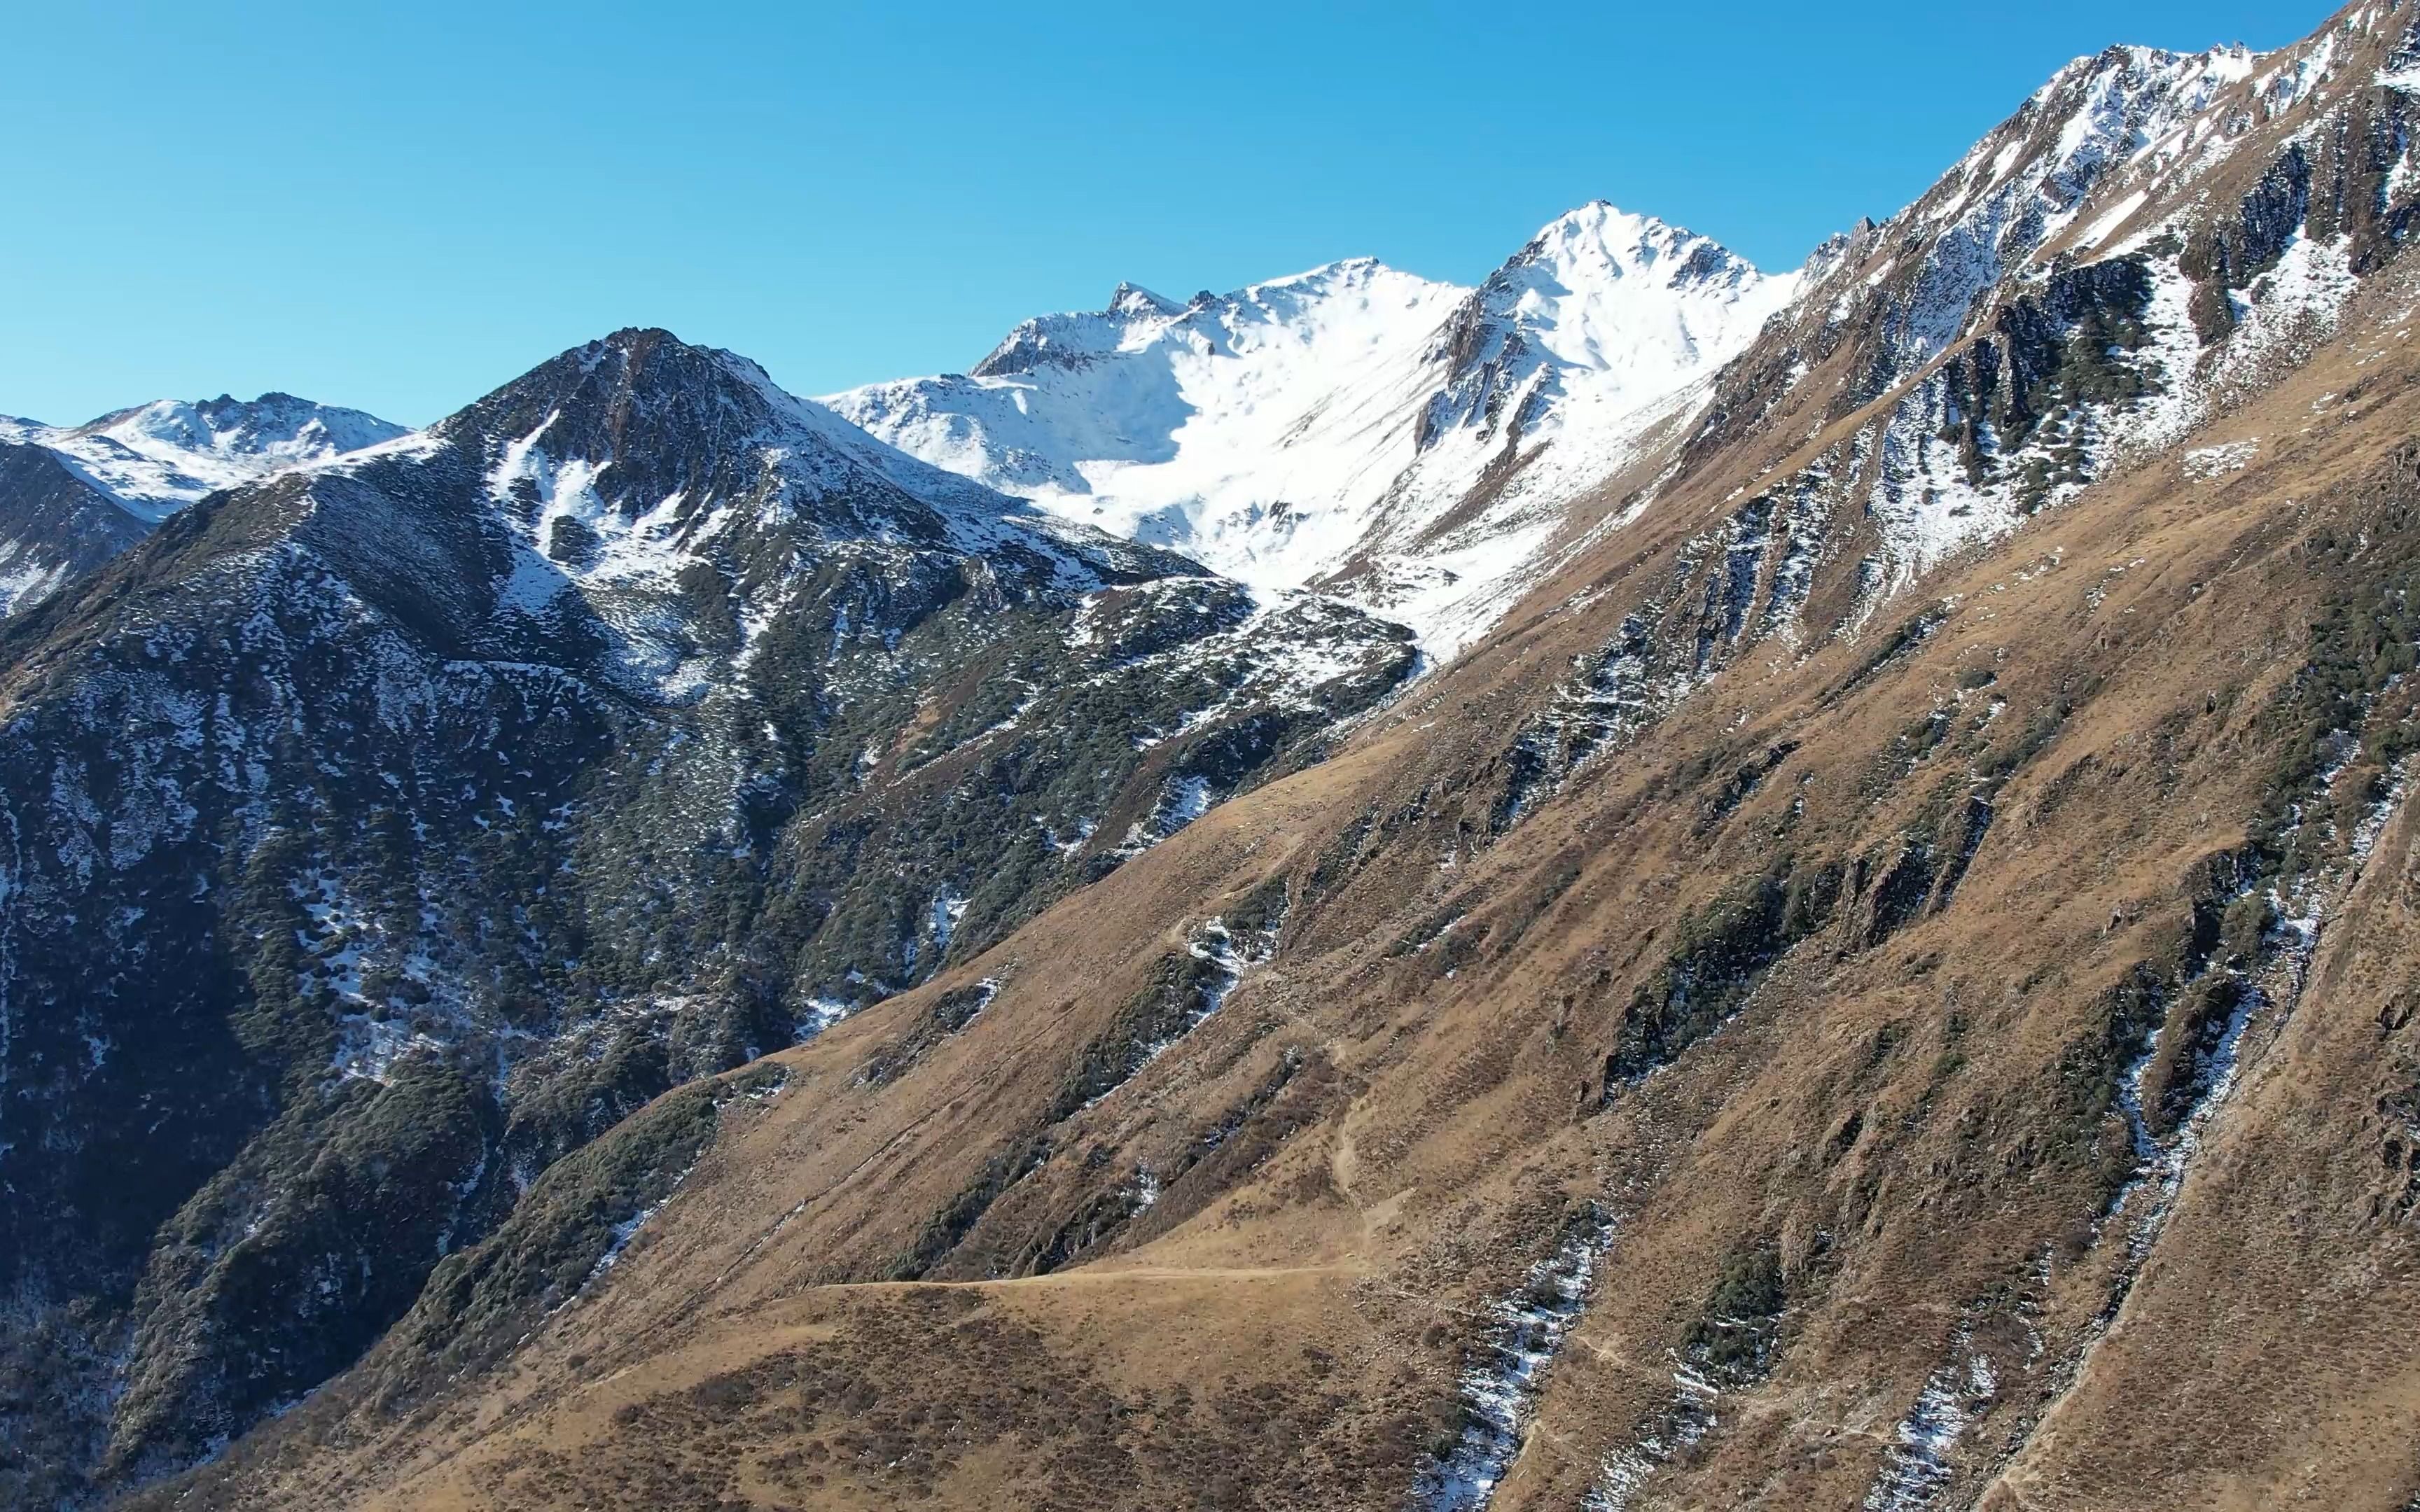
x=1646, y=884
x=76, y=495
x=1406, y=444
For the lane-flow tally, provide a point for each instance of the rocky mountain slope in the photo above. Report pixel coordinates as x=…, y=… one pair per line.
x=1885, y=979
x=1408, y=443
x=72, y=497
x=379, y=834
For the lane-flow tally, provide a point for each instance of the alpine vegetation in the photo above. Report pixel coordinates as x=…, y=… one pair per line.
x=1117, y=929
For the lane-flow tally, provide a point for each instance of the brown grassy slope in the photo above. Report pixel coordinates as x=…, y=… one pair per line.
x=1911, y=1112
x=1741, y=983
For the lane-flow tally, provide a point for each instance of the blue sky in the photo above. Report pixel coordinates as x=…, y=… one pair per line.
x=400, y=206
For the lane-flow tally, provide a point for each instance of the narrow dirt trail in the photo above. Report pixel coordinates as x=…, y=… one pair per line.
x=1089, y=1276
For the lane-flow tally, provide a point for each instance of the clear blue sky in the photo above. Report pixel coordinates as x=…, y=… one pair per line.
x=398, y=207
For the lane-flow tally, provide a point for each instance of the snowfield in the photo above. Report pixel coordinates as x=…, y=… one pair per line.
x=1326, y=429
x=156, y=458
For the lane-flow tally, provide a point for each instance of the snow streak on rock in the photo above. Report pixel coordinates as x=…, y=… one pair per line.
x=1230, y=956
x=2025, y=183
x=1499, y=1393
x=1916, y=1467
x=2269, y=987
x=1734, y=586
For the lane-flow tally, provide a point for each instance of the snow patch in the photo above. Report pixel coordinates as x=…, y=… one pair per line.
x=2217, y=461
x=1526, y=1332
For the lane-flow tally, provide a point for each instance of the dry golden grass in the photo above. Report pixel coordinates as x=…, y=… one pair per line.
x=1381, y=1130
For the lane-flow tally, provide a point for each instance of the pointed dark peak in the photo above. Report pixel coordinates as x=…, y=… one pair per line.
x=228, y=409
x=649, y=413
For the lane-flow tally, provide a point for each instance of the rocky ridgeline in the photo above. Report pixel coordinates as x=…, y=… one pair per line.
x=73, y=497
x=381, y=835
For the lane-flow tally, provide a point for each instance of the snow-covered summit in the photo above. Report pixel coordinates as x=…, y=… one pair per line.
x=155, y=458
x=1616, y=308
x=1230, y=427
x=72, y=497
x=1135, y=299
x=1328, y=423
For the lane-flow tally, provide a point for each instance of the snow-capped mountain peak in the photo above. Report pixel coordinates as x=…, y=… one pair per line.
x=1136, y=300
x=1600, y=239
x=156, y=458
x=275, y=425
x=1324, y=421
x=74, y=496
x=1227, y=427
x=1623, y=306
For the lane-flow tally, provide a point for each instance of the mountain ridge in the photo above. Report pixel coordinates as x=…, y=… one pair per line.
x=135, y=466
x=1292, y=477
x=1878, y=975
x=393, y=782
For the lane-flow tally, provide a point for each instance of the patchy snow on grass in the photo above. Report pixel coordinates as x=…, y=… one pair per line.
x=1916, y=1466
x=1526, y=1332
x=2218, y=461
x=1681, y=1426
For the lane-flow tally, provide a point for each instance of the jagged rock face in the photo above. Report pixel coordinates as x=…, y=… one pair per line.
x=2151, y=238
x=128, y=471
x=1404, y=442
x=387, y=831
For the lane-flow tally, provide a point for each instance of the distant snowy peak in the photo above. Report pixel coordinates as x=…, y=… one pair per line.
x=1135, y=319
x=1252, y=430
x=275, y=425
x=1328, y=423
x=156, y=458
x=1136, y=300
x=1133, y=316
x=1600, y=244
x=72, y=497
x=1625, y=305
x=1087, y=413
